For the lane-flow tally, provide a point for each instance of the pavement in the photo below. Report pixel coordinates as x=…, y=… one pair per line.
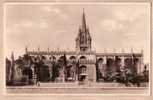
x=69, y=88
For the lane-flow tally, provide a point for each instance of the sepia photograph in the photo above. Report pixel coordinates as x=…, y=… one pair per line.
x=77, y=48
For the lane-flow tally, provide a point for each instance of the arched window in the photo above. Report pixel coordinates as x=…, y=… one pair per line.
x=100, y=60
x=82, y=73
x=110, y=62
x=128, y=62
x=62, y=61
x=52, y=58
x=70, y=73
x=61, y=57
x=82, y=59
x=72, y=59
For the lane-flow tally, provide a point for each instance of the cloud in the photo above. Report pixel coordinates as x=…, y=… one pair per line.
x=55, y=10
x=33, y=24
x=128, y=14
x=110, y=25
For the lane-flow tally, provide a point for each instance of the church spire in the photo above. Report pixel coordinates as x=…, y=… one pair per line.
x=83, y=40
x=83, y=21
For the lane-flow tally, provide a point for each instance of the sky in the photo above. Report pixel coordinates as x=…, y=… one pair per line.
x=114, y=27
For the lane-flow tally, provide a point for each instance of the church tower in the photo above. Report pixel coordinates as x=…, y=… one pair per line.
x=83, y=40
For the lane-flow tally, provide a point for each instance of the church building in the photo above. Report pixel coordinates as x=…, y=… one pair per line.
x=84, y=65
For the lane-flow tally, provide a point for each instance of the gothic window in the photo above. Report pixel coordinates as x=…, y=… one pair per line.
x=100, y=60
x=128, y=62
x=72, y=59
x=82, y=59
x=69, y=73
x=135, y=60
x=135, y=64
x=52, y=58
x=109, y=64
x=117, y=63
x=82, y=69
x=100, y=63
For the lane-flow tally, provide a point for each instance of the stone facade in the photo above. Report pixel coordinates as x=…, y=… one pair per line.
x=85, y=65
x=82, y=66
